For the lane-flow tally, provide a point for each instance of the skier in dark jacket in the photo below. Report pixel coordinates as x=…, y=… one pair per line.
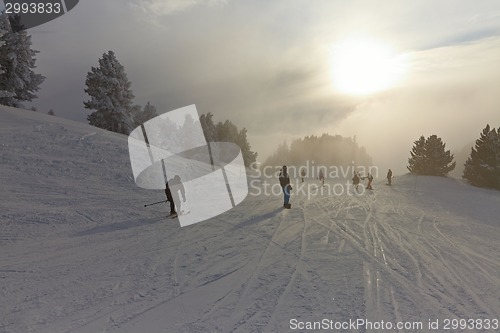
x=370, y=179
x=355, y=180
x=284, y=179
x=389, y=177
x=168, y=193
x=321, y=177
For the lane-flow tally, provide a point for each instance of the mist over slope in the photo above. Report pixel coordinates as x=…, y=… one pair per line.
x=79, y=252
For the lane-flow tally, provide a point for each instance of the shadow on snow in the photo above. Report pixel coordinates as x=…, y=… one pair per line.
x=258, y=218
x=119, y=226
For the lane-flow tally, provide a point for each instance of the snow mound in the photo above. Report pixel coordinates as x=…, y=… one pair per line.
x=56, y=171
x=453, y=196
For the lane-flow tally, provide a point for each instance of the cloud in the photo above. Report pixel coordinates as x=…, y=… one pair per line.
x=158, y=8
x=450, y=91
x=265, y=65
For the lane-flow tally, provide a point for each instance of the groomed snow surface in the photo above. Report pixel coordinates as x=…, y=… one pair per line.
x=79, y=252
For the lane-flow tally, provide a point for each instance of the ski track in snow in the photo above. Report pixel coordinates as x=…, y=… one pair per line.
x=80, y=253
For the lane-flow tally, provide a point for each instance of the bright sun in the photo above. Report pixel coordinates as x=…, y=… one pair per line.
x=364, y=66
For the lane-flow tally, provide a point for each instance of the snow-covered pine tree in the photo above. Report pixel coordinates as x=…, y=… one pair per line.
x=141, y=116
x=208, y=126
x=249, y=156
x=187, y=133
x=3, y=93
x=111, y=96
x=18, y=81
x=227, y=132
x=430, y=157
x=135, y=114
x=440, y=161
x=416, y=162
x=482, y=168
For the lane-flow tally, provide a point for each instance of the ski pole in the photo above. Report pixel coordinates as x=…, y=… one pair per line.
x=154, y=203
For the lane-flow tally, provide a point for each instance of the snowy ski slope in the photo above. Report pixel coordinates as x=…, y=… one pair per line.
x=79, y=252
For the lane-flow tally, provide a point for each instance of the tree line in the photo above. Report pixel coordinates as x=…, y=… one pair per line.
x=111, y=97
x=323, y=150
x=428, y=156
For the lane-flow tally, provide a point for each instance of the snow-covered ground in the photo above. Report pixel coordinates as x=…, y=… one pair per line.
x=79, y=252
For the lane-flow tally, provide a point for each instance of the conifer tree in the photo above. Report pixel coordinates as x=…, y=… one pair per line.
x=248, y=155
x=3, y=93
x=429, y=157
x=228, y=132
x=141, y=116
x=439, y=160
x=416, y=162
x=110, y=96
x=187, y=133
x=482, y=168
x=18, y=81
x=208, y=126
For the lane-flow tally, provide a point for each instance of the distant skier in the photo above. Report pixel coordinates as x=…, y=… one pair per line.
x=370, y=179
x=355, y=180
x=303, y=174
x=389, y=177
x=321, y=177
x=284, y=179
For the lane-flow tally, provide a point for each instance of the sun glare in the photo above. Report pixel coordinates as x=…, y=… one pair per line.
x=364, y=66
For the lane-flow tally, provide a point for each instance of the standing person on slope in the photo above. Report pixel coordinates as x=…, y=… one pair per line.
x=389, y=177
x=285, y=185
x=321, y=177
x=170, y=199
x=303, y=174
x=355, y=180
x=174, y=199
x=370, y=179
x=177, y=185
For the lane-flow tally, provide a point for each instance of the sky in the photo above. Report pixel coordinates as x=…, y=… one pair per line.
x=287, y=69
